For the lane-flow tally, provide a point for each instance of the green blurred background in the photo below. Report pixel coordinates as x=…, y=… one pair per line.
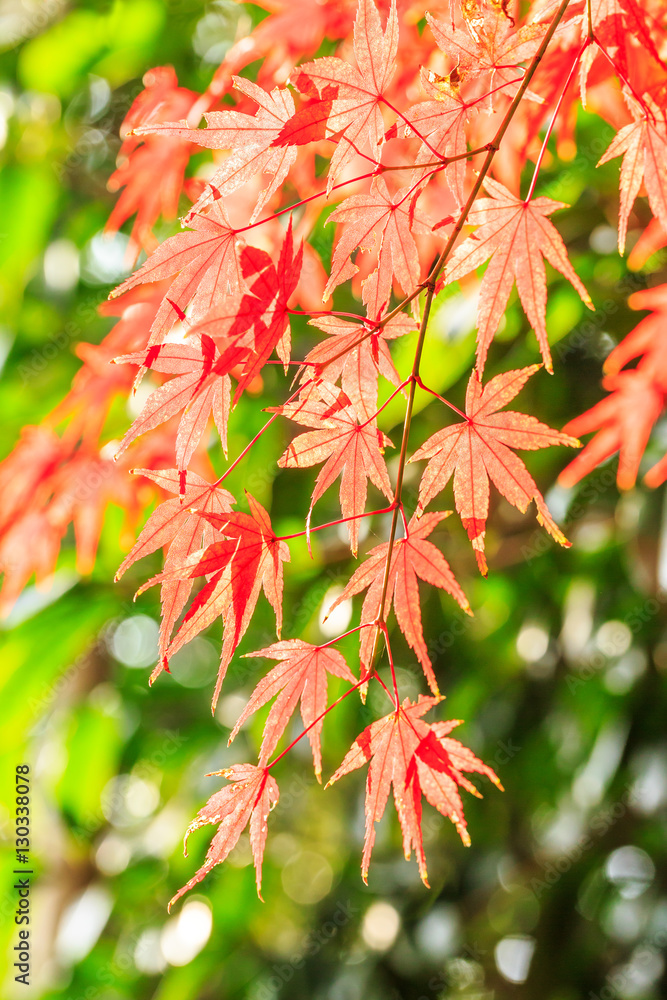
x=561, y=674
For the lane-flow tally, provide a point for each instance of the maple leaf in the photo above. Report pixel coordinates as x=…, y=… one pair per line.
x=378, y=219
x=140, y=162
x=273, y=286
x=30, y=545
x=643, y=146
x=357, y=359
x=478, y=450
x=301, y=675
x=193, y=390
x=412, y=557
x=442, y=122
x=206, y=263
x=26, y=471
x=517, y=235
x=180, y=524
x=349, y=449
x=652, y=239
x=249, y=137
x=617, y=26
x=623, y=421
x=248, y=799
x=346, y=101
x=440, y=762
x=248, y=328
x=82, y=488
x=489, y=49
x=249, y=558
x=413, y=757
x=647, y=341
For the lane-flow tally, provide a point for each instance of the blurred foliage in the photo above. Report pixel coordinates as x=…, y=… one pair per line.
x=561, y=673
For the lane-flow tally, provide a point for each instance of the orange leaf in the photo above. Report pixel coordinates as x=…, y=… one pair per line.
x=248, y=799
x=415, y=758
x=516, y=235
x=478, y=450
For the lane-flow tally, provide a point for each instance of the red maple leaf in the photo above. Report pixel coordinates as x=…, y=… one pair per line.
x=206, y=263
x=273, y=286
x=248, y=799
x=618, y=25
x=349, y=449
x=249, y=558
x=356, y=358
x=30, y=545
x=415, y=758
x=517, y=235
x=623, y=421
x=248, y=327
x=441, y=121
x=378, y=220
x=346, y=101
x=141, y=160
x=301, y=675
x=643, y=146
x=249, y=137
x=180, y=524
x=488, y=48
x=27, y=470
x=196, y=390
x=478, y=450
x=82, y=489
x=412, y=557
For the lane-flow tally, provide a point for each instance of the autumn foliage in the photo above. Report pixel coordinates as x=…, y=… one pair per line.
x=417, y=129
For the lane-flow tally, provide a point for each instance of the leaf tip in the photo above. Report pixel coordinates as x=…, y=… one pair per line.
x=481, y=562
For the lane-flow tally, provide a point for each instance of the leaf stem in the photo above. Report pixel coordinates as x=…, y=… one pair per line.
x=568, y=81
x=441, y=398
x=622, y=77
x=385, y=631
x=319, y=718
x=416, y=131
x=386, y=402
x=332, y=524
x=258, y=435
x=344, y=635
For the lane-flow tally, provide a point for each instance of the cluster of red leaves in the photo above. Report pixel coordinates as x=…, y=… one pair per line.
x=637, y=398
x=413, y=120
x=63, y=472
